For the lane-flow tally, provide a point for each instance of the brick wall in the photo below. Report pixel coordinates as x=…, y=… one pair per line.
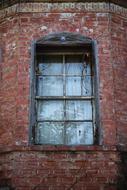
x=39, y=169
x=119, y=60
x=25, y=167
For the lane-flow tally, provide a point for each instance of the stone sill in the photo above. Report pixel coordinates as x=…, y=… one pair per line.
x=57, y=148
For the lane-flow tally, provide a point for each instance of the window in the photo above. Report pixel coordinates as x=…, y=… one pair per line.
x=64, y=94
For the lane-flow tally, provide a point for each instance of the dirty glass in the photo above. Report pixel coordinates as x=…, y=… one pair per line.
x=50, y=133
x=50, y=86
x=51, y=65
x=60, y=119
x=76, y=65
x=79, y=133
x=87, y=86
x=73, y=86
x=79, y=110
x=50, y=110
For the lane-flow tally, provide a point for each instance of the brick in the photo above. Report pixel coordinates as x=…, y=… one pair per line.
x=25, y=167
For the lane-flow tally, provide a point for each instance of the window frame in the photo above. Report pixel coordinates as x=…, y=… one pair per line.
x=32, y=132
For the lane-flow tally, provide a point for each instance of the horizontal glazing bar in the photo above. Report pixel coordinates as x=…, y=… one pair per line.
x=61, y=53
x=41, y=121
x=38, y=74
x=64, y=97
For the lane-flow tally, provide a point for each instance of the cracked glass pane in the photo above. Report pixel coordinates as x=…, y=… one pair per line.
x=79, y=133
x=50, y=110
x=75, y=65
x=87, y=86
x=50, y=86
x=50, y=133
x=79, y=110
x=51, y=65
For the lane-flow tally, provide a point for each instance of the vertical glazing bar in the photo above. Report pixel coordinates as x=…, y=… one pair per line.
x=82, y=77
x=64, y=91
x=64, y=77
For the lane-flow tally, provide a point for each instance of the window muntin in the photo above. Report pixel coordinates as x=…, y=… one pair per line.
x=64, y=99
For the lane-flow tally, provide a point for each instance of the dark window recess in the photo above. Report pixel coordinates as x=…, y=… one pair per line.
x=64, y=96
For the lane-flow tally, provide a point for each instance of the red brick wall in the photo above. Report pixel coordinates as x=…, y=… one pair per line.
x=8, y=82
x=28, y=27
x=50, y=168
x=119, y=61
x=44, y=170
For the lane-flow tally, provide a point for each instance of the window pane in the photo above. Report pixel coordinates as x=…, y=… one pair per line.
x=73, y=86
x=86, y=86
x=79, y=110
x=50, y=110
x=51, y=65
x=86, y=68
x=50, y=133
x=50, y=86
x=79, y=133
x=76, y=65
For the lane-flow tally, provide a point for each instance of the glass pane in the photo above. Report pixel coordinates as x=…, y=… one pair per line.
x=86, y=86
x=50, y=133
x=86, y=68
x=79, y=133
x=50, y=110
x=50, y=86
x=77, y=66
x=51, y=65
x=79, y=110
x=73, y=86
x=74, y=64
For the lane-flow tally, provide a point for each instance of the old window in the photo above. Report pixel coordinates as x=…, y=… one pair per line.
x=64, y=94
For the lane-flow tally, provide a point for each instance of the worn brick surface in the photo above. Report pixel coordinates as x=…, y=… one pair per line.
x=21, y=31
x=45, y=168
x=60, y=170
x=119, y=60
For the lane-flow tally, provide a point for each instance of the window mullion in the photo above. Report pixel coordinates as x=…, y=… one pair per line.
x=64, y=93
x=82, y=82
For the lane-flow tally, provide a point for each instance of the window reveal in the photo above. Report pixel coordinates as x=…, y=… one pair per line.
x=64, y=99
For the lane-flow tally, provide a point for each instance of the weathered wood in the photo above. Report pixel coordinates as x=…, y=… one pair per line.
x=97, y=133
x=64, y=97
x=32, y=115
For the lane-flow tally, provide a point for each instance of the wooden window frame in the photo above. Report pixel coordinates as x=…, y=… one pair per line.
x=47, y=43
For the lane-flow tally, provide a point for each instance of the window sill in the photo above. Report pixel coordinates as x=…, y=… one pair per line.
x=57, y=148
